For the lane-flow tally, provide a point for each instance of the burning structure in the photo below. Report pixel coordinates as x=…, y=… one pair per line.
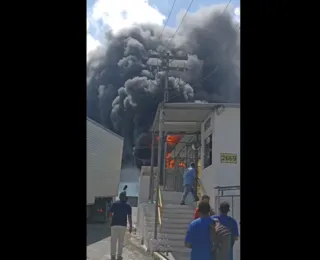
x=123, y=90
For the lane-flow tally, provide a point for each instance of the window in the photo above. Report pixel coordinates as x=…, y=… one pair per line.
x=208, y=151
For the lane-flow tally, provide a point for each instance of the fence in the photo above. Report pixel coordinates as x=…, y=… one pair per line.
x=174, y=179
x=230, y=194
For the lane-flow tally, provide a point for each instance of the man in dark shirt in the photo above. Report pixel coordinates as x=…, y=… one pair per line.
x=119, y=212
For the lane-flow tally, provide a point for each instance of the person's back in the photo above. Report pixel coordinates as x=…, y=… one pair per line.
x=189, y=176
x=198, y=235
x=205, y=198
x=227, y=231
x=119, y=212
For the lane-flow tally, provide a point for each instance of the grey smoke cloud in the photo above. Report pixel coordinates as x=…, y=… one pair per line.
x=124, y=90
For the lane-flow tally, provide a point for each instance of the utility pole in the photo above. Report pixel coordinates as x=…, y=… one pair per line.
x=166, y=59
x=165, y=66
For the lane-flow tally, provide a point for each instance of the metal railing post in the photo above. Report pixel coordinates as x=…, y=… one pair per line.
x=196, y=159
x=151, y=183
x=164, y=174
x=160, y=169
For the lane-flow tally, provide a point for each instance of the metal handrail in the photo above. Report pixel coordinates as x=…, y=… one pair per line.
x=159, y=207
x=201, y=186
x=234, y=187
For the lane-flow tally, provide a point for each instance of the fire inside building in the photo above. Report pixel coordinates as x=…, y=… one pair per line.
x=142, y=153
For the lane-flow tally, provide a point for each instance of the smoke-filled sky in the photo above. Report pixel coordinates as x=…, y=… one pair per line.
x=125, y=86
x=116, y=14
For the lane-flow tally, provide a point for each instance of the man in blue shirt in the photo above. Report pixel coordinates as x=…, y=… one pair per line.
x=189, y=178
x=227, y=224
x=119, y=212
x=198, y=235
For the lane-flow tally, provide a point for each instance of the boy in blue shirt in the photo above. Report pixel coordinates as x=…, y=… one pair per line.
x=198, y=235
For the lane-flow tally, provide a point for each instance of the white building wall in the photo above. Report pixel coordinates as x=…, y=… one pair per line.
x=225, y=129
x=208, y=178
x=226, y=139
x=104, y=155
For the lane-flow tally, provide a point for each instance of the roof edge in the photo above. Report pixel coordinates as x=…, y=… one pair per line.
x=104, y=128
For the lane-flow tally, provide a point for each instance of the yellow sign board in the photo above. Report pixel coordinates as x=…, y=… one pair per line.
x=228, y=158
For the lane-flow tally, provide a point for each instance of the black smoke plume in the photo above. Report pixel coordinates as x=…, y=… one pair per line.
x=124, y=90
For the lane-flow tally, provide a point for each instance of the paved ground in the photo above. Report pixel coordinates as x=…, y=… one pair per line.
x=98, y=245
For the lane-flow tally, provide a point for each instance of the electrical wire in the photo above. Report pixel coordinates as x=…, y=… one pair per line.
x=175, y=94
x=182, y=20
x=174, y=2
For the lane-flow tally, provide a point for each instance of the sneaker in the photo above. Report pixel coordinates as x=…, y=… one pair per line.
x=182, y=203
x=113, y=257
x=119, y=258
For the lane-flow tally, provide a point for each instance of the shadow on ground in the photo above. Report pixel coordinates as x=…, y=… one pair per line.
x=97, y=232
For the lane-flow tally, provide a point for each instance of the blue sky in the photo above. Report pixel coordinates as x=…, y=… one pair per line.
x=116, y=14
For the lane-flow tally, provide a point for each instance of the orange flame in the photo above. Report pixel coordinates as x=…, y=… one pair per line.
x=171, y=141
x=170, y=162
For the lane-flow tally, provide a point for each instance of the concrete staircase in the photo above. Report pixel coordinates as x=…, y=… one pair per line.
x=175, y=221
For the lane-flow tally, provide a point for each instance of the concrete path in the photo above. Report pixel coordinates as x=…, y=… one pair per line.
x=98, y=245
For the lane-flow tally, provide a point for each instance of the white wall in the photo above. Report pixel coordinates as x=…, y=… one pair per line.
x=104, y=155
x=226, y=139
x=207, y=174
x=145, y=182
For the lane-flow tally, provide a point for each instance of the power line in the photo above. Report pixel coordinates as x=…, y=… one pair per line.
x=225, y=8
x=168, y=17
x=182, y=20
x=174, y=2
x=177, y=93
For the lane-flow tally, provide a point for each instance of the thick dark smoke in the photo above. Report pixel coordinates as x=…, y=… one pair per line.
x=124, y=90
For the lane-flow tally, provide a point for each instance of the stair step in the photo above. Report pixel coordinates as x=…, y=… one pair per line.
x=178, y=211
x=186, y=212
x=151, y=228
x=181, y=256
x=174, y=236
x=167, y=224
x=168, y=231
x=178, y=215
x=180, y=249
x=175, y=225
x=171, y=242
x=177, y=206
x=176, y=220
x=181, y=209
